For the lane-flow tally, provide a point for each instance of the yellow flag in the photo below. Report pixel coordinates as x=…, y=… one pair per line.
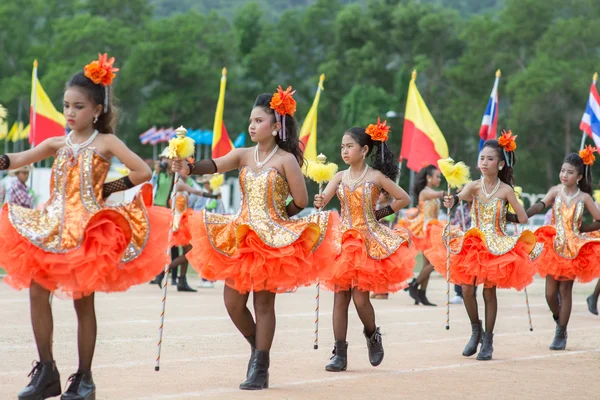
x=13, y=131
x=16, y=136
x=3, y=130
x=221, y=143
x=24, y=134
x=308, y=132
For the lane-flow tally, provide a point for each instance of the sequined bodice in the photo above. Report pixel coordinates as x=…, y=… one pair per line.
x=567, y=218
x=263, y=210
x=358, y=213
x=75, y=197
x=430, y=209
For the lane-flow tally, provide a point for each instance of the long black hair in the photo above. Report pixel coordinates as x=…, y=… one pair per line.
x=421, y=179
x=107, y=120
x=585, y=184
x=388, y=165
x=292, y=142
x=505, y=174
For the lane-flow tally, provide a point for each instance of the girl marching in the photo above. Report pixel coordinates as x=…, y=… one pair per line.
x=485, y=253
x=372, y=257
x=75, y=244
x=260, y=249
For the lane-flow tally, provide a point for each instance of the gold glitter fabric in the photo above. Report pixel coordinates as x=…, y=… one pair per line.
x=428, y=211
x=75, y=198
x=568, y=254
x=181, y=202
x=263, y=211
x=358, y=213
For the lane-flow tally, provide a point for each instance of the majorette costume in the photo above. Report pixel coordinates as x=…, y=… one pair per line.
x=260, y=247
x=428, y=211
x=373, y=257
x=75, y=243
x=569, y=254
x=486, y=253
x=181, y=221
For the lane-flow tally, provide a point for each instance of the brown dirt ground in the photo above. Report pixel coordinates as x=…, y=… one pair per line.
x=205, y=357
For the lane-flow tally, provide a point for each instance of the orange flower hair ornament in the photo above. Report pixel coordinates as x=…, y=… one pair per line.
x=508, y=143
x=379, y=133
x=283, y=104
x=101, y=72
x=587, y=155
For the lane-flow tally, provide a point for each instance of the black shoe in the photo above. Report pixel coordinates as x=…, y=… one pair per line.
x=476, y=335
x=82, y=387
x=592, y=302
x=560, y=338
x=375, y=347
x=339, y=359
x=487, y=347
x=423, y=299
x=157, y=279
x=252, y=341
x=182, y=285
x=45, y=382
x=413, y=291
x=413, y=281
x=258, y=376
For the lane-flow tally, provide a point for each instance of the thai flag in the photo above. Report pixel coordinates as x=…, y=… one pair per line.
x=157, y=137
x=145, y=137
x=490, y=118
x=590, y=122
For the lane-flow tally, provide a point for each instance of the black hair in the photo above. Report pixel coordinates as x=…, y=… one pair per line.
x=421, y=179
x=387, y=163
x=585, y=184
x=291, y=144
x=107, y=121
x=505, y=174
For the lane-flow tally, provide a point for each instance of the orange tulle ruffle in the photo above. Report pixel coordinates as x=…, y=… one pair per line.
x=475, y=264
x=583, y=268
x=353, y=268
x=95, y=266
x=183, y=235
x=256, y=266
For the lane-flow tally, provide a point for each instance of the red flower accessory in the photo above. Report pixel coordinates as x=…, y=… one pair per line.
x=587, y=155
x=283, y=103
x=101, y=71
x=378, y=132
x=507, y=141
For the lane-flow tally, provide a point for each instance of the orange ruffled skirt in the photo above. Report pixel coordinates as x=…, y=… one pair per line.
x=256, y=266
x=353, y=268
x=475, y=264
x=183, y=235
x=421, y=242
x=95, y=266
x=585, y=267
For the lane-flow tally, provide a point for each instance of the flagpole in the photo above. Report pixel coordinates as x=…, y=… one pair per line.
x=594, y=79
x=32, y=123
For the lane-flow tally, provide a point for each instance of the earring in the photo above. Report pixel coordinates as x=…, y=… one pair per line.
x=274, y=133
x=500, y=168
x=95, y=119
x=364, y=155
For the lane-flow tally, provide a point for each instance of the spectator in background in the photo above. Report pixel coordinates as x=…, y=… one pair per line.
x=18, y=193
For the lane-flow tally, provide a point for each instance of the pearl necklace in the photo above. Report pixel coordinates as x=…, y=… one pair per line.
x=354, y=182
x=484, y=190
x=569, y=198
x=261, y=164
x=78, y=146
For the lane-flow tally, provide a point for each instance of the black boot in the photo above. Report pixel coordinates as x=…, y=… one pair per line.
x=252, y=341
x=476, y=334
x=375, y=347
x=258, y=376
x=182, y=285
x=592, y=302
x=487, y=347
x=45, y=382
x=339, y=360
x=82, y=387
x=157, y=279
x=560, y=338
x=406, y=288
x=413, y=291
x=423, y=299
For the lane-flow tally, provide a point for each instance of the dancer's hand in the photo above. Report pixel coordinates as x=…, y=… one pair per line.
x=319, y=201
x=448, y=201
x=180, y=166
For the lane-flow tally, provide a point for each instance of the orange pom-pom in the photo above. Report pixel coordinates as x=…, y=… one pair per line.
x=101, y=71
x=587, y=154
x=378, y=132
x=283, y=103
x=507, y=141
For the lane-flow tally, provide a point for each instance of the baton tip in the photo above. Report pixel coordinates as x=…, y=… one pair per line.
x=157, y=368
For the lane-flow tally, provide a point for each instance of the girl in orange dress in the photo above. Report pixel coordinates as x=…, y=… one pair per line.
x=260, y=249
x=372, y=257
x=75, y=244
x=486, y=254
x=568, y=253
x=424, y=191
